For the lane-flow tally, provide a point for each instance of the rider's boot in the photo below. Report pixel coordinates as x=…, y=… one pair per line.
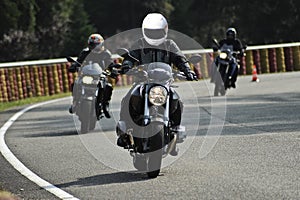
x=72, y=108
x=123, y=140
x=106, y=98
x=174, y=151
x=106, y=110
x=233, y=85
x=123, y=136
x=234, y=78
x=231, y=82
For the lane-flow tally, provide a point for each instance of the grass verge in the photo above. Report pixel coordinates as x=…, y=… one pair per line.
x=7, y=196
x=7, y=105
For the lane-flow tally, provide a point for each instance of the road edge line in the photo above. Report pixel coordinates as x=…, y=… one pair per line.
x=19, y=166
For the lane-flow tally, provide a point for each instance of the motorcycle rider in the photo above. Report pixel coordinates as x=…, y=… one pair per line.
x=155, y=47
x=96, y=53
x=233, y=43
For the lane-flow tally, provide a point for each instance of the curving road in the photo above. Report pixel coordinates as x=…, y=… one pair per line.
x=257, y=155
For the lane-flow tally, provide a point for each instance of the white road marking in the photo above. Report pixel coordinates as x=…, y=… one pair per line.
x=18, y=165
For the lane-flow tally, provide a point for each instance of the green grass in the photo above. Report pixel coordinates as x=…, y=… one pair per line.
x=7, y=195
x=7, y=105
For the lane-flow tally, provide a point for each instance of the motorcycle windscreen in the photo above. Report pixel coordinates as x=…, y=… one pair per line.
x=93, y=69
x=159, y=72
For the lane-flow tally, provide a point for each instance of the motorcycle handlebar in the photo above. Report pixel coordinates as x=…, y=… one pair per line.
x=140, y=71
x=180, y=75
x=70, y=59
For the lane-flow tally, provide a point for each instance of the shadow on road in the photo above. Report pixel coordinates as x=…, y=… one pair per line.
x=105, y=179
x=52, y=134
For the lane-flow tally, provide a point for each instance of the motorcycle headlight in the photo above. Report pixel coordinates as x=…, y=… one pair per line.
x=158, y=95
x=223, y=55
x=87, y=80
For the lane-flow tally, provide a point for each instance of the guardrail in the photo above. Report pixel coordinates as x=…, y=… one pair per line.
x=19, y=80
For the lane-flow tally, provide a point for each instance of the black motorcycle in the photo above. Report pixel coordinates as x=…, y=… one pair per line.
x=89, y=84
x=222, y=69
x=147, y=128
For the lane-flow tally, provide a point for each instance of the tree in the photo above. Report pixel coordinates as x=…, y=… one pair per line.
x=9, y=18
x=62, y=27
x=270, y=21
x=113, y=16
x=17, y=36
x=33, y=29
x=53, y=26
x=43, y=29
x=79, y=30
x=203, y=20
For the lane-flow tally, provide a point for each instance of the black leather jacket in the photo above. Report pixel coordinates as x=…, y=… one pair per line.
x=168, y=52
x=235, y=44
x=103, y=58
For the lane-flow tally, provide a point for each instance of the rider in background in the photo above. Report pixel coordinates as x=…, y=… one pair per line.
x=234, y=44
x=96, y=53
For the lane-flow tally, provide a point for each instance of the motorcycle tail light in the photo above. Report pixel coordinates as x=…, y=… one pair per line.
x=158, y=95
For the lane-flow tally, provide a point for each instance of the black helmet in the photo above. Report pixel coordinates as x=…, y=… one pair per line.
x=231, y=33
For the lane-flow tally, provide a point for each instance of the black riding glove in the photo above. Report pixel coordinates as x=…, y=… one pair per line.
x=126, y=66
x=215, y=49
x=114, y=73
x=241, y=53
x=113, y=66
x=73, y=68
x=191, y=76
x=185, y=68
x=125, y=69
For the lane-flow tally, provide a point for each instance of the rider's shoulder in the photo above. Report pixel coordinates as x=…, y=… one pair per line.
x=138, y=44
x=106, y=51
x=84, y=52
x=223, y=41
x=170, y=42
x=238, y=41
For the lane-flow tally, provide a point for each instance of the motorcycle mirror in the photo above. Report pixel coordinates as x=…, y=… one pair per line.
x=125, y=52
x=215, y=42
x=69, y=59
x=194, y=59
x=122, y=52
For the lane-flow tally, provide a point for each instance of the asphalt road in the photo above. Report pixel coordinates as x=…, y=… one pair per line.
x=244, y=146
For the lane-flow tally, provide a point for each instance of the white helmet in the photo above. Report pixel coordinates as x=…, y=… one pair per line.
x=95, y=40
x=155, y=28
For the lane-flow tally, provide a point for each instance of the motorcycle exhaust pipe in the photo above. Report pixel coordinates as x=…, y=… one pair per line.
x=129, y=132
x=171, y=146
